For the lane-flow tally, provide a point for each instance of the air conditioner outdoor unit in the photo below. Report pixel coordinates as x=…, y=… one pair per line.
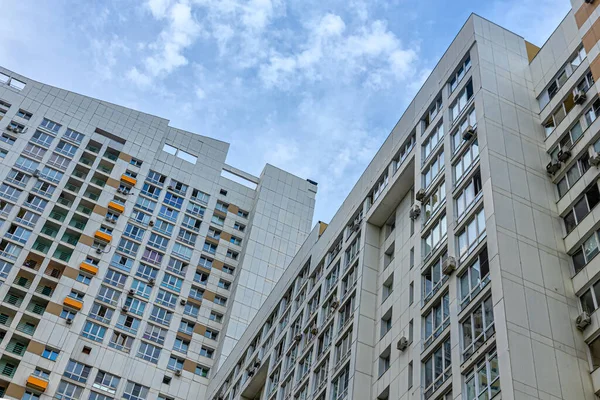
x=449, y=265
x=334, y=304
x=468, y=133
x=589, y=1
x=182, y=302
x=151, y=281
x=402, y=343
x=415, y=211
x=420, y=195
x=177, y=372
x=563, y=155
x=151, y=223
x=125, y=309
x=18, y=130
x=98, y=250
x=9, y=128
x=594, y=156
x=131, y=291
x=109, y=219
x=553, y=167
x=251, y=372
x=314, y=330
x=36, y=173
x=257, y=363
x=583, y=320
x=298, y=337
x=579, y=96
x=170, y=187
x=69, y=321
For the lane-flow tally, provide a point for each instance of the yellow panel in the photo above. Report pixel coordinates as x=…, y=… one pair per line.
x=37, y=383
x=103, y=236
x=128, y=179
x=116, y=206
x=73, y=303
x=88, y=268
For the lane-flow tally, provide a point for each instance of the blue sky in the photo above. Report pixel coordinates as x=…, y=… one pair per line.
x=311, y=86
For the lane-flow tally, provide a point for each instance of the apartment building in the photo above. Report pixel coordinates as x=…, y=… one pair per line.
x=462, y=265
x=122, y=242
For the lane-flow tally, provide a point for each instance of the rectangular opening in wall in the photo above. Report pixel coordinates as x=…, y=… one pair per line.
x=238, y=179
x=110, y=136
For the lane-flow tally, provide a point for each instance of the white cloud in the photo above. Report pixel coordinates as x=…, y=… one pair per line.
x=138, y=77
x=332, y=52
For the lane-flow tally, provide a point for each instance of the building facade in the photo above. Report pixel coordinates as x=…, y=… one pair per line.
x=463, y=264
x=122, y=242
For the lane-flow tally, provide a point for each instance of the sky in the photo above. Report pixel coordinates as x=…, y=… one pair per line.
x=311, y=86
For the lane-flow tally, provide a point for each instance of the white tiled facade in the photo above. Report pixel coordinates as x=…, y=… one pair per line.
x=462, y=264
x=124, y=242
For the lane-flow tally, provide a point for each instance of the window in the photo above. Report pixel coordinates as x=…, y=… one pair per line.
x=228, y=269
x=463, y=98
x=232, y=254
x=468, y=196
x=115, y=278
x=24, y=114
x=168, y=213
x=434, y=201
x=186, y=327
x=26, y=164
x=435, y=235
x=471, y=234
x=235, y=240
x=158, y=241
x=239, y=227
x=582, y=207
x=433, y=111
x=50, y=354
x=128, y=323
x=66, y=149
x=155, y=334
x=242, y=213
x=121, y=342
x=211, y=334
x=128, y=247
x=214, y=316
x=9, y=192
x=433, y=278
x=152, y=256
x=93, y=331
x=433, y=169
x=41, y=138
x=67, y=314
x=68, y=391
x=410, y=374
x=101, y=313
x=182, y=345
x=108, y=295
x=436, y=320
x=83, y=278
x=172, y=282
x=191, y=223
x=224, y=284
x=182, y=251
x=34, y=151
x=135, y=306
x=145, y=204
x=560, y=78
x=484, y=380
x=206, y=352
x=573, y=174
x=217, y=220
x=173, y=200
x=149, y=352
x=201, y=277
x=210, y=247
x=134, y=232
x=175, y=363
x=195, y=209
x=161, y=315
x=386, y=323
x=379, y=187
x=384, y=361
x=200, y=196
x=50, y=125
x=166, y=299
x=474, y=278
x=191, y=309
x=340, y=384
x=135, y=391
x=431, y=142
x=411, y=293
x=202, y=371
x=77, y=371
x=466, y=162
x=437, y=368
x=121, y=262
x=459, y=75
x=477, y=328
x=73, y=136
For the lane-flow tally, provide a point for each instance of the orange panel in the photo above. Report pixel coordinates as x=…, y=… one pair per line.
x=103, y=236
x=88, y=268
x=128, y=179
x=37, y=383
x=73, y=303
x=116, y=206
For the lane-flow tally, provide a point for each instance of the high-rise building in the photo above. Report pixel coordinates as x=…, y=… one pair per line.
x=122, y=242
x=463, y=264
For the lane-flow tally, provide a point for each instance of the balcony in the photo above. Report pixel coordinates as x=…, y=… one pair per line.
x=17, y=346
x=72, y=303
x=27, y=326
x=8, y=367
x=116, y=206
x=89, y=268
x=103, y=236
x=36, y=383
x=36, y=307
x=129, y=180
